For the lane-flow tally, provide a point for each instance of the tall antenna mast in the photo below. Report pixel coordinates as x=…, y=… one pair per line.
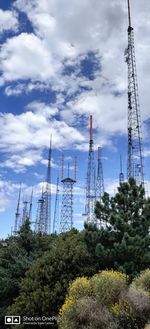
x=121, y=175
x=47, y=194
x=18, y=214
x=129, y=13
x=100, y=178
x=43, y=219
x=30, y=208
x=135, y=158
x=40, y=220
x=56, y=210
x=90, y=181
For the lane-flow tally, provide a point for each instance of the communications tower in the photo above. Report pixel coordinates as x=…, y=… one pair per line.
x=56, y=210
x=100, y=178
x=135, y=159
x=25, y=211
x=66, y=218
x=47, y=195
x=43, y=219
x=18, y=214
x=121, y=175
x=90, y=181
x=30, y=208
x=40, y=224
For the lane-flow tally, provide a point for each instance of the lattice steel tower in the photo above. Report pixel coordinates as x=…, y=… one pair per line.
x=56, y=210
x=18, y=214
x=25, y=211
x=47, y=195
x=100, y=178
x=135, y=160
x=90, y=181
x=121, y=175
x=43, y=219
x=66, y=218
x=40, y=224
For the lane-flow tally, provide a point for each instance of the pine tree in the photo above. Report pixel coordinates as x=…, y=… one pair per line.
x=123, y=243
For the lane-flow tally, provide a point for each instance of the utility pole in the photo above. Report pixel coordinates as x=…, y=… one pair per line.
x=135, y=158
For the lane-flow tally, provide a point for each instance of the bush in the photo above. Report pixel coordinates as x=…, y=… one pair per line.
x=133, y=309
x=108, y=286
x=143, y=281
x=86, y=313
x=87, y=302
x=79, y=288
x=105, y=302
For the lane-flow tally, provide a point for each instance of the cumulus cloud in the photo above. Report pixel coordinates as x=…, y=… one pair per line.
x=26, y=57
x=8, y=21
x=59, y=41
x=23, y=137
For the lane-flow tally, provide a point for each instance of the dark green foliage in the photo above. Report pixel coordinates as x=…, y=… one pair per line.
x=16, y=256
x=46, y=283
x=123, y=243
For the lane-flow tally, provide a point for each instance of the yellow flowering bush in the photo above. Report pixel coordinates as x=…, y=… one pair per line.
x=107, y=286
x=106, y=301
x=80, y=288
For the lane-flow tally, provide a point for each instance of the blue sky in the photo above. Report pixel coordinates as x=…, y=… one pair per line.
x=61, y=61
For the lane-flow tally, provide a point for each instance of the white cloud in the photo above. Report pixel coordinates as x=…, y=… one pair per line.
x=23, y=137
x=8, y=21
x=26, y=57
x=59, y=39
x=7, y=189
x=40, y=107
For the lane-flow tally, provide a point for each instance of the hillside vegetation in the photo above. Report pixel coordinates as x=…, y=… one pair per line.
x=36, y=270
